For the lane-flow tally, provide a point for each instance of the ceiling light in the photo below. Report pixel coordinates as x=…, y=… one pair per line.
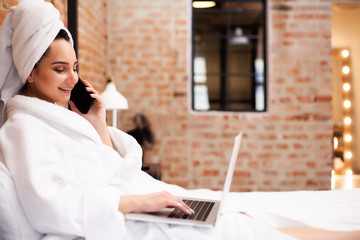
x=239, y=38
x=203, y=4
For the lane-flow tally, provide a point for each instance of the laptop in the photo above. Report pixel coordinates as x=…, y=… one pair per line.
x=206, y=210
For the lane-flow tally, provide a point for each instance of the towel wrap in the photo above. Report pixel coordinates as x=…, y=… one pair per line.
x=26, y=33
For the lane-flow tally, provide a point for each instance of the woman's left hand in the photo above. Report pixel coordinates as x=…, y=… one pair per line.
x=96, y=115
x=97, y=112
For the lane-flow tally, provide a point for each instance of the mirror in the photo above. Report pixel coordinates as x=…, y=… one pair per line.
x=229, y=56
x=342, y=109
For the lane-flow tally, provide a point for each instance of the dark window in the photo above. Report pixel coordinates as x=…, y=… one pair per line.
x=73, y=22
x=229, y=56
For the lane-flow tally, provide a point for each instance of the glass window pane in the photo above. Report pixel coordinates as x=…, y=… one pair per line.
x=209, y=22
x=241, y=59
x=213, y=85
x=201, y=98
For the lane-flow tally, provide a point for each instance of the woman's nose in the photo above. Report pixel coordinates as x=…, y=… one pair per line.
x=74, y=76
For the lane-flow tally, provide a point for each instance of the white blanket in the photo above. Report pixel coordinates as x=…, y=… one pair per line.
x=69, y=184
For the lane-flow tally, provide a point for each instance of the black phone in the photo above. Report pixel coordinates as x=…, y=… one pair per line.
x=81, y=97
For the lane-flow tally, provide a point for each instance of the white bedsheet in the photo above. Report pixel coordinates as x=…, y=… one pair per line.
x=230, y=226
x=333, y=210
x=337, y=210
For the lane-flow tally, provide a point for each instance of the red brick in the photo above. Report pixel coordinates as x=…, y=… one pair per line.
x=210, y=173
x=242, y=174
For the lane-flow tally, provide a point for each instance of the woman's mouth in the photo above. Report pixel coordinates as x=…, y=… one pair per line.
x=65, y=89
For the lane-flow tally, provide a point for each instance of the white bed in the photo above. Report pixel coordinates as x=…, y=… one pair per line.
x=337, y=210
x=332, y=210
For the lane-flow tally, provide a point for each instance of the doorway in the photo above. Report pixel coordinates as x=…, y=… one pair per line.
x=346, y=86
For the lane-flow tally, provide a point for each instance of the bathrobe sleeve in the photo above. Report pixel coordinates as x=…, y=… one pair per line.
x=126, y=146
x=55, y=201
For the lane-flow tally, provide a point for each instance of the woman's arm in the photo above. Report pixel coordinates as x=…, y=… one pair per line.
x=151, y=203
x=146, y=203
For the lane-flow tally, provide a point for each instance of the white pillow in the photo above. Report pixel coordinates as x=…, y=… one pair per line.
x=13, y=222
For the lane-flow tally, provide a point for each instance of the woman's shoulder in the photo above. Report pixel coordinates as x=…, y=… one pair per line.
x=33, y=114
x=22, y=111
x=32, y=105
x=27, y=114
x=20, y=124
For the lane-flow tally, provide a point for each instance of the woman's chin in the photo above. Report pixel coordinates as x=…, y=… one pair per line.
x=63, y=103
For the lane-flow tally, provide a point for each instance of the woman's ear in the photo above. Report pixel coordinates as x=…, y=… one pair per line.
x=30, y=79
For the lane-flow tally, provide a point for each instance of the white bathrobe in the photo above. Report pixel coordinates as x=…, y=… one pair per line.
x=69, y=184
x=67, y=180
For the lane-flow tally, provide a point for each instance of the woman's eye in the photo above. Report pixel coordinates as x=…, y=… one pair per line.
x=59, y=70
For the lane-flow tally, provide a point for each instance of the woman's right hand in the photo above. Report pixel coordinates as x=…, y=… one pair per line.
x=151, y=203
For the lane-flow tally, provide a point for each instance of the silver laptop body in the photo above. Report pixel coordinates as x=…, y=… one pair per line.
x=211, y=209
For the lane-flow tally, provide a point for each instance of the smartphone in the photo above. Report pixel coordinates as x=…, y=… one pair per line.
x=81, y=97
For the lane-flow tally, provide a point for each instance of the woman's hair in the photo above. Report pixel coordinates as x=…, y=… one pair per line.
x=61, y=35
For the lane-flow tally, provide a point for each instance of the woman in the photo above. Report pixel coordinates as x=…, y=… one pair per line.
x=52, y=80
x=49, y=82
x=75, y=176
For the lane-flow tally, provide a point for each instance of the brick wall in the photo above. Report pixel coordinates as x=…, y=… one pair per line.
x=287, y=148
x=4, y=8
x=92, y=35
x=6, y=4
x=147, y=45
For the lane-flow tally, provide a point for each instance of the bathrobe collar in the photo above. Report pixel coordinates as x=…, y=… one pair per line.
x=53, y=114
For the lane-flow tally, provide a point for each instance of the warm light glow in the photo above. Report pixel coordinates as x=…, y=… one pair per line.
x=336, y=143
x=347, y=120
x=347, y=103
x=345, y=53
x=348, y=179
x=348, y=137
x=348, y=155
x=346, y=87
x=203, y=4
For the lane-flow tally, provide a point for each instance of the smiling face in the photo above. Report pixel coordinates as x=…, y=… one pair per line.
x=55, y=75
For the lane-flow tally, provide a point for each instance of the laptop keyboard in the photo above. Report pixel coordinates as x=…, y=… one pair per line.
x=202, y=210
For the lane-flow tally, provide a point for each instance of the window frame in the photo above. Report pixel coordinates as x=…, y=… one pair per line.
x=228, y=74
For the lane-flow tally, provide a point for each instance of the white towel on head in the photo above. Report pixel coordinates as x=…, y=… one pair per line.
x=26, y=33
